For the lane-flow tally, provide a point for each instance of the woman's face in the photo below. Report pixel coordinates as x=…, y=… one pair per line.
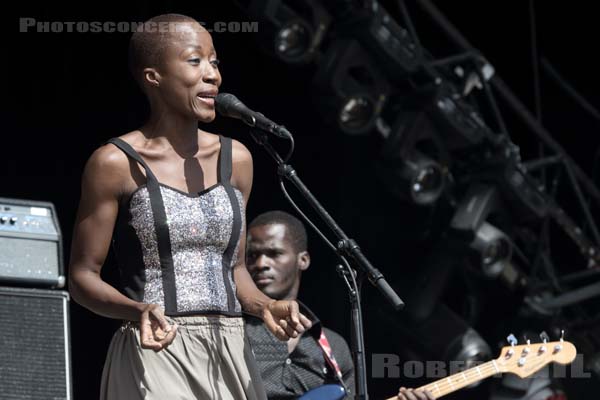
x=189, y=73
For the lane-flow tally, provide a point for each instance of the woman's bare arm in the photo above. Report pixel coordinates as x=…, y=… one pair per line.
x=281, y=317
x=101, y=188
x=252, y=299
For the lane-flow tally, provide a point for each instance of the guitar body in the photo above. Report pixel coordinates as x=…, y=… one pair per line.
x=325, y=392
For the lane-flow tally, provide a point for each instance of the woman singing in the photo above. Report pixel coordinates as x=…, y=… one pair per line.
x=171, y=199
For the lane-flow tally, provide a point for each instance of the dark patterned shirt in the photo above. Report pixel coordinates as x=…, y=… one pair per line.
x=289, y=375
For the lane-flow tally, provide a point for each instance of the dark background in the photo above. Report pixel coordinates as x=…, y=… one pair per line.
x=67, y=93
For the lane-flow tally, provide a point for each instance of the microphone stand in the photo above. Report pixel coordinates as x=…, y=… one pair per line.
x=346, y=247
x=358, y=342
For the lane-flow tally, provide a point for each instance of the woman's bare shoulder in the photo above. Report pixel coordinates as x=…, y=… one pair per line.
x=108, y=165
x=107, y=157
x=240, y=153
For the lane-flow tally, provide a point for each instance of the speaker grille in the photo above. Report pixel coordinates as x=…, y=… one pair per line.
x=34, y=340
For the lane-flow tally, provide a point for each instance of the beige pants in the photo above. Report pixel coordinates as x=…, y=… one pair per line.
x=210, y=358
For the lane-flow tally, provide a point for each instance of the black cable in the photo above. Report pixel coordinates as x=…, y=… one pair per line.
x=575, y=276
x=582, y=201
x=520, y=254
x=569, y=89
x=595, y=165
x=427, y=67
x=317, y=230
x=537, y=94
x=411, y=28
x=291, y=150
x=544, y=244
x=306, y=219
x=493, y=104
x=537, y=91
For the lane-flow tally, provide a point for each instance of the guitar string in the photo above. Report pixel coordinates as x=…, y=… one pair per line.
x=444, y=384
x=441, y=386
x=485, y=371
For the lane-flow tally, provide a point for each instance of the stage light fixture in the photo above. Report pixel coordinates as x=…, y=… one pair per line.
x=460, y=123
x=494, y=249
x=291, y=30
x=415, y=177
x=491, y=247
x=350, y=90
x=412, y=162
x=292, y=41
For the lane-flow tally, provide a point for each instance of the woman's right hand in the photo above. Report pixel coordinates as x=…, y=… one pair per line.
x=155, y=331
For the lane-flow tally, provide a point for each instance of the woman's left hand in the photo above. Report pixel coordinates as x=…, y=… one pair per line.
x=411, y=394
x=284, y=319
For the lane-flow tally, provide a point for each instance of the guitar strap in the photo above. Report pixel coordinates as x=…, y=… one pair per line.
x=328, y=355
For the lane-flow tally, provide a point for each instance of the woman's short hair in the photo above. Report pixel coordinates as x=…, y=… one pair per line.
x=148, y=42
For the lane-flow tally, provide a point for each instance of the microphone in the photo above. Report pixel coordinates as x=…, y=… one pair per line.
x=230, y=106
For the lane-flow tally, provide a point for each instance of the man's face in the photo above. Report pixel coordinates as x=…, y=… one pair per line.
x=273, y=262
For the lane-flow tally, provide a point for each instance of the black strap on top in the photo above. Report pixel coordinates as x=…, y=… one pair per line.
x=224, y=167
x=160, y=226
x=224, y=170
x=127, y=149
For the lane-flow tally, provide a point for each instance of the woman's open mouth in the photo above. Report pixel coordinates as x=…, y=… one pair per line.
x=208, y=99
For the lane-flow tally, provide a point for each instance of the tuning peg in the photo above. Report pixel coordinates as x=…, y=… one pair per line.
x=544, y=336
x=559, y=347
x=513, y=341
x=526, y=350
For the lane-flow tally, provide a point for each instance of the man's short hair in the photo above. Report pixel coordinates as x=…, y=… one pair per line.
x=148, y=42
x=296, y=232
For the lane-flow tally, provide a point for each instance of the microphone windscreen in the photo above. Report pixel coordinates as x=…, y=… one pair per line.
x=228, y=105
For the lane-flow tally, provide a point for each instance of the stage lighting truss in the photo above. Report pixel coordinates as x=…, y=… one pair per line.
x=524, y=202
x=470, y=146
x=524, y=193
x=390, y=43
x=292, y=30
x=350, y=90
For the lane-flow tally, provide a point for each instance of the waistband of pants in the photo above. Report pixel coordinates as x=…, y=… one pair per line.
x=217, y=321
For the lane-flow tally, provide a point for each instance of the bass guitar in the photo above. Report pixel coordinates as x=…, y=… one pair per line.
x=523, y=361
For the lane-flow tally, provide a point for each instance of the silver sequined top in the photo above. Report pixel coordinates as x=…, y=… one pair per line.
x=200, y=227
x=178, y=249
